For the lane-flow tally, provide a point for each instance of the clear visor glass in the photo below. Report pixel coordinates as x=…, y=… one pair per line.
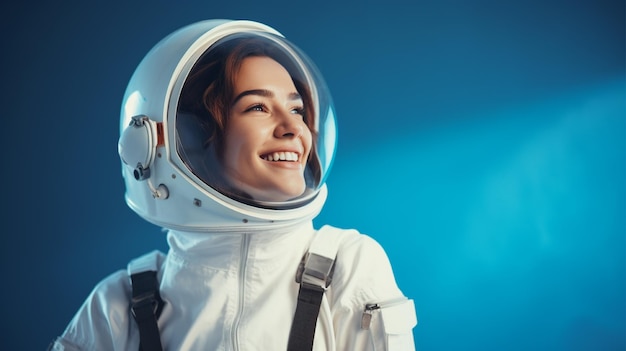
x=255, y=122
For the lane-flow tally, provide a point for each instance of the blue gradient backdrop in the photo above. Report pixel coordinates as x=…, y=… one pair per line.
x=481, y=142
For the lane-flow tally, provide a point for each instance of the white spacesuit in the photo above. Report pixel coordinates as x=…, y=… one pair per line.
x=241, y=258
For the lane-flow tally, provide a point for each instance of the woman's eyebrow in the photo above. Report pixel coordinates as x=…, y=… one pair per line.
x=295, y=96
x=264, y=93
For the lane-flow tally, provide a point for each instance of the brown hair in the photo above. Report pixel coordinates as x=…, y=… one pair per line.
x=208, y=93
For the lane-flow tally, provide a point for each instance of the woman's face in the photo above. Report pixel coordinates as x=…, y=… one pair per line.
x=267, y=142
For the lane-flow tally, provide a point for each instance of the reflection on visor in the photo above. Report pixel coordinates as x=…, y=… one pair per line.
x=249, y=149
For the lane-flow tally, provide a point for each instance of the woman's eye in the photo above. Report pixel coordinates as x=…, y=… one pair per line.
x=257, y=108
x=298, y=111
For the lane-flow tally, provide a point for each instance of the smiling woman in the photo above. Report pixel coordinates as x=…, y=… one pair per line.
x=227, y=136
x=267, y=139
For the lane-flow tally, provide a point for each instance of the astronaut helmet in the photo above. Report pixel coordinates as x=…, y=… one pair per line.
x=225, y=125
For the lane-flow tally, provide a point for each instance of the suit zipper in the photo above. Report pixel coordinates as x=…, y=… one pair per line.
x=245, y=247
x=371, y=308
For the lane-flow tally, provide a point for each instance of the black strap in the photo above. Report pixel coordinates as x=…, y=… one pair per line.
x=304, y=321
x=146, y=308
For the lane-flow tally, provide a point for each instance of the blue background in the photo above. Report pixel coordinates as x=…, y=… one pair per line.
x=481, y=142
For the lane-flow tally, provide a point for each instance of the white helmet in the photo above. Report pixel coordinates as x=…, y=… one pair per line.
x=169, y=167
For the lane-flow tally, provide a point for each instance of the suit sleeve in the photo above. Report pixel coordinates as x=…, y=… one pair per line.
x=370, y=312
x=103, y=320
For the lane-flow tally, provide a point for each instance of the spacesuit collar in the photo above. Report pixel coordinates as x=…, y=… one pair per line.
x=187, y=242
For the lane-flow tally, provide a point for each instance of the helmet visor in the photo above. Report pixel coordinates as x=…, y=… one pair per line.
x=255, y=122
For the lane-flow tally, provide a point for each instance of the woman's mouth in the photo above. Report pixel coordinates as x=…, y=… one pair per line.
x=281, y=156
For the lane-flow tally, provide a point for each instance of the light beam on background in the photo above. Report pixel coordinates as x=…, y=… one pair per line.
x=509, y=230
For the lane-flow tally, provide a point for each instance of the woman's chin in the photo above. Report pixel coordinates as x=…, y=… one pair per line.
x=272, y=192
x=283, y=197
x=277, y=195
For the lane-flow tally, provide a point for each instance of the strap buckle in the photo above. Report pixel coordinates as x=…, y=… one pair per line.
x=315, y=271
x=146, y=301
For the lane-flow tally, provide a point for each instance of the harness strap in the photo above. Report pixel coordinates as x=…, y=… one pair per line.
x=146, y=303
x=303, y=328
x=314, y=276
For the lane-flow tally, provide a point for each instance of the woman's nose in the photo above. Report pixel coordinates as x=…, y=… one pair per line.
x=289, y=125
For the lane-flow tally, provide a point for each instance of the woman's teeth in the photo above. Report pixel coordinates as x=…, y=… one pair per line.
x=281, y=156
